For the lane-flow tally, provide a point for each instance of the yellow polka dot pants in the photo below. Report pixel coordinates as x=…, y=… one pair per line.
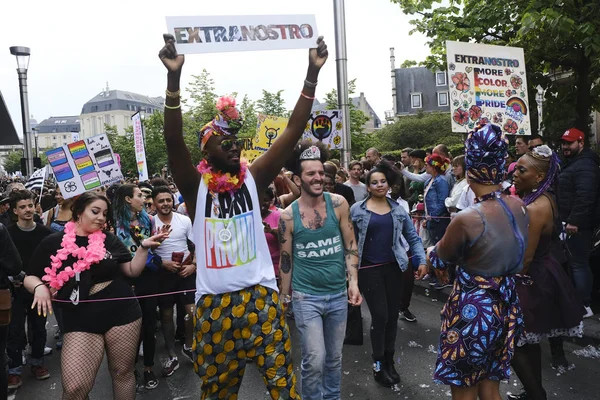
x=233, y=327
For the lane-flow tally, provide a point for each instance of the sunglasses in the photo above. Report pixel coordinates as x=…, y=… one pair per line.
x=227, y=144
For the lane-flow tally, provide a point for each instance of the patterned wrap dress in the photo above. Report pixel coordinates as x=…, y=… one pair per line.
x=482, y=319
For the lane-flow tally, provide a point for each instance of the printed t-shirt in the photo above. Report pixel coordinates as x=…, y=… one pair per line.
x=232, y=251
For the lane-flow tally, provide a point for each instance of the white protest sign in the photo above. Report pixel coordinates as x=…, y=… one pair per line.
x=140, y=149
x=325, y=126
x=84, y=165
x=487, y=84
x=215, y=34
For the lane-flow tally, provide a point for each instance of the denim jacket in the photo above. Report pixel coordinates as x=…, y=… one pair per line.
x=436, y=197
x=403, y=226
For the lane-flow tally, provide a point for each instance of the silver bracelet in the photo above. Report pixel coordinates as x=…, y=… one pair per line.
x=310, y=84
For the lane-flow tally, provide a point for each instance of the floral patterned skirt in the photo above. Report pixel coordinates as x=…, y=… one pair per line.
x=480, y=323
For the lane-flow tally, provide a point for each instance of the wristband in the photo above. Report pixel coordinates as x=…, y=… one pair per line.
x=286, y=298
x=37, y=286
x=144, y=247
x=306, y=97
x=310, y=84
x=172, y=95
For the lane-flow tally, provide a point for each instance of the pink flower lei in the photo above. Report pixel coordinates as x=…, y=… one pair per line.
x=219, y=182
x=92, y=254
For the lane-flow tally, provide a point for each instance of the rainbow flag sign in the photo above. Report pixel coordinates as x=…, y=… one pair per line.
x=84, y=165
x=487, y=84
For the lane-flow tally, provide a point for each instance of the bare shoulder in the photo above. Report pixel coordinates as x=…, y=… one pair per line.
x=337, y=200
x=540, y=208
x=287, y=215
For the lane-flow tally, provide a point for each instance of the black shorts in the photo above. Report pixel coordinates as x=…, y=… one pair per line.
x=169, y=282
x=100, y=317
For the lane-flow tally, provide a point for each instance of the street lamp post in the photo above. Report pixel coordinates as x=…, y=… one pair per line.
x=22, y=55
x=341, y=62
x=36, y=136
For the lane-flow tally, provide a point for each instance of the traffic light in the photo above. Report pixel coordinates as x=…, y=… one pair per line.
x=23, y=166
x=37, y=162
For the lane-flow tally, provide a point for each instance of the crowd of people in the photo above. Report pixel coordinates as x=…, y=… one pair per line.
x=223, y=254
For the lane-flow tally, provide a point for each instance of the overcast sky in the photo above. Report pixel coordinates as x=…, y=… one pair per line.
x=78, y=46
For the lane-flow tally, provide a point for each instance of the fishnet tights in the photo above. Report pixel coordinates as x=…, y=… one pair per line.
x=82, y=355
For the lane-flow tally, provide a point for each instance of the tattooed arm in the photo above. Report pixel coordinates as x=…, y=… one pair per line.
x=286, y=228
x=350, y=248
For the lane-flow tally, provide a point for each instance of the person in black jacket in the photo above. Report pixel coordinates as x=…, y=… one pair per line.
x=10, y=264
x=339, y=188
x=577, y=197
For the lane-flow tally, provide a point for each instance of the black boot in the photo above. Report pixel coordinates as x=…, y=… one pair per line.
x=389, y=364
x=558, y=353
x=381, y=374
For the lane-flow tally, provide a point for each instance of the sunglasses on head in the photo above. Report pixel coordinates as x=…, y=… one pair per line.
x=227, y=144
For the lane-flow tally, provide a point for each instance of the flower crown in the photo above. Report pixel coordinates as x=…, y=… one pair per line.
x=438, y=162
x=227, y=122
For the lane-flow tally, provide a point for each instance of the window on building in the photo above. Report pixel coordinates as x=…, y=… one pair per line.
x=64, y=137
x=442, y=99
x=415, y=100
x=53, y=137
x=440, y=79
x=107, y=119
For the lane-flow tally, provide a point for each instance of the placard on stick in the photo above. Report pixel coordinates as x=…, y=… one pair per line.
x=84, y=165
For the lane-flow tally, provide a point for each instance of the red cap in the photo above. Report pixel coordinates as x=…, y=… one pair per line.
x=572, y=135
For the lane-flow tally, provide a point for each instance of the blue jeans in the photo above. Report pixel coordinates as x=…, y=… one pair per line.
x=580, y=247
x=321, y=321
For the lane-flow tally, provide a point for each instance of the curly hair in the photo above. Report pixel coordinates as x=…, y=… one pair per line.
x=387, y=169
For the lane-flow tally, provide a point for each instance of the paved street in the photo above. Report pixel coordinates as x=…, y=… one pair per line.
x=414, y=351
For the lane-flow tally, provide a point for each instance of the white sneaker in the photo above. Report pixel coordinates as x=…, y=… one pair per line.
x=588, y=312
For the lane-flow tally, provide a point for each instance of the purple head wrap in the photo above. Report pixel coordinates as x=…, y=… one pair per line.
x=485, y=155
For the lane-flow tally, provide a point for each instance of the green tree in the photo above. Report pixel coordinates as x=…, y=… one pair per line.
x=419, y=132
x=12, y=161
x=272, y=104
x=557, y=37
x=248, y=110
x=408, y=64
x=360, y=141
x=203, y=97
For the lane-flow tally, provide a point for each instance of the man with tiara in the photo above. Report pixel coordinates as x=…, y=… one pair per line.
x=238, y=312
x=482, y=318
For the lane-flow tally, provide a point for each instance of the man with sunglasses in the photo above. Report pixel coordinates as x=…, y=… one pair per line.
x=238, y=312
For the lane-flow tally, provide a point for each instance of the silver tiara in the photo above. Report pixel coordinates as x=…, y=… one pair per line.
x=312, y=153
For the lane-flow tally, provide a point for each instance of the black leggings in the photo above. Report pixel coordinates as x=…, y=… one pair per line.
x=380, y=286
x=148, y=335
x=527, y=363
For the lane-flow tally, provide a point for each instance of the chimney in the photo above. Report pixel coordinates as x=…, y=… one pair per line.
x=393, y=76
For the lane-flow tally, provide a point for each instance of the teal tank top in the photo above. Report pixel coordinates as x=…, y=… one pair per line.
x=318, y=255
